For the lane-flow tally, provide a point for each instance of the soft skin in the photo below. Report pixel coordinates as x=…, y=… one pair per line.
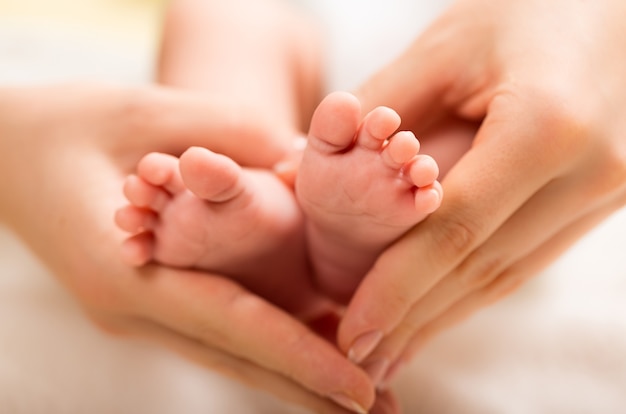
x=67, y=170
x=539, y=88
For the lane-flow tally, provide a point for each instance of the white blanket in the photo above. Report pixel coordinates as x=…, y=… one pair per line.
x=556, y=346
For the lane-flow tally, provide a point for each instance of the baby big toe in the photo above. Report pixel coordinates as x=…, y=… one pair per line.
x=210, y=176
x=335, y=123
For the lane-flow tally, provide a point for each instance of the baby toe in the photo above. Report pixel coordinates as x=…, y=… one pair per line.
x=145, y=195
x=334, y=123
x=134, y=220
x=428, y=199
x=137, y=250
x=161, y=170
x=378, y=126
x=401, y=149
x=423, y=170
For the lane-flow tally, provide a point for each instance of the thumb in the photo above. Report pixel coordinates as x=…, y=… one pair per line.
x=444, y=71
x=413, y=85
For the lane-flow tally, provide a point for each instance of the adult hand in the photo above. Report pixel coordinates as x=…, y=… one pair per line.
x=540, y=88
x=65, y=152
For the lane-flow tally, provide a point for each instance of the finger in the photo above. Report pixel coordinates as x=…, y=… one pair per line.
x=476, y=204
x=226, y=364
x=556, y=207
x=386, y=403
x=219, y=313
x=412, y=85
x=513, y=277
x=432, y=76
x=173, y=120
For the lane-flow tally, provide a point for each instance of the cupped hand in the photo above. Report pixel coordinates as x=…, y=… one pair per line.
x=65, y=152
x=539, y=88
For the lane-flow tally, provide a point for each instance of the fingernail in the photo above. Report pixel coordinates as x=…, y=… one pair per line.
x=346, y=402
x=377, y=369
x=364, y=345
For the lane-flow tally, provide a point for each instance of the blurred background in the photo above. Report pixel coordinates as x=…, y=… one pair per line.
x=55, y=40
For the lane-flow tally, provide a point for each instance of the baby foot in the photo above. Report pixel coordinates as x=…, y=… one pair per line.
x=204, y=211
x=361, y=186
